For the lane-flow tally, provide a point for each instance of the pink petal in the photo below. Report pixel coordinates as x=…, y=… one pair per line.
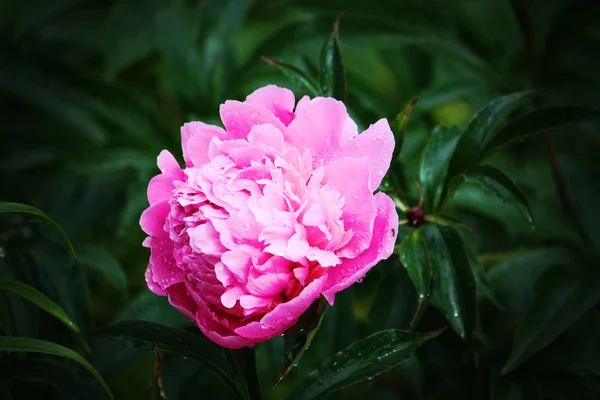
x=377, y=144
x=179, y=298
x=279, y=101
x=266, y=134
x=382, y=247
x=267, y=285
x=350, y=176
x=323, y=257
x=152, y=284
x=204, y=239
x=297, y=247
x=153, y=219
x=212, y=329
x=163, y=270
x=195, y=138
x=238, y=262
x=224, y=275
x=167, y=163
x=321, y=125
x=283, y=315
x=230, y=297
x=314, y=216
x=248, y=301
x=239, y=118
x=160, y=188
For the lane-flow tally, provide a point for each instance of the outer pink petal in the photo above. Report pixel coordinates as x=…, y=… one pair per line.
x=153, y=220
x=350, y=176
x=283, y=315
x=162, y=268
x=382, y=246
x=239, y=118
x=160, y=188
x=195, y=138
x=279, y=101
x=167, y=163
x=376, y=143
x=321, y=125
x=179, y=298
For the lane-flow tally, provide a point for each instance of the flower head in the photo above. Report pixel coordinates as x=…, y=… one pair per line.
x=268, y=214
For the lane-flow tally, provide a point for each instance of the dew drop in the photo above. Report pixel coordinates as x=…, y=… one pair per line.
x=263, y=326
x=237, y=292
x=2, y=252
x=455, y=315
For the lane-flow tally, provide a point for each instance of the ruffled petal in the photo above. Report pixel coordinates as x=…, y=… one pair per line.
x=279, y=101
x=382, y=247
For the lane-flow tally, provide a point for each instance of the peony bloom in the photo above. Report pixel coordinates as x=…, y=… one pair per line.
x=268, y=214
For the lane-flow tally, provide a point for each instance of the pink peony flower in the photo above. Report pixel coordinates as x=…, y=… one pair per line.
x=268, y=214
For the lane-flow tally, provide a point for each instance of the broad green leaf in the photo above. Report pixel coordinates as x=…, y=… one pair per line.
x=538, y=121
x=147, y=306
x=296, y=343
x=39, y=299
x=101, y=261
x=394, y=287
x=28, y=345
x=561, y=296
x=415, y=257
x=443, y=219
x=296, y=76
x=434, y=163
x=399, y=126
x=332, y=73
x=19, y=208
x=149, y=335
x=454, y=283
x=361, y=361
x=497, y=183
x=466, y=156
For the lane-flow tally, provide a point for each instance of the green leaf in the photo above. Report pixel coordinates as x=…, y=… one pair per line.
x=331, y=66
x=147, y=306
x=296, y=76
x=399, y=126
x=434, y=163
x=298, y=342
x=537, y=121
x=39, y=299
x=466, y=156
x=101, y=261
x=562, y=295
x=497, y=183
x=19, y=208
x=360, y=361
x=149, y=335
x=29, y=345
x=443, y=219
x=454, y=283
x=415, y=257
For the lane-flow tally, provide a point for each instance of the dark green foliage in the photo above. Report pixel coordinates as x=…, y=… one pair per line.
x=505, y=133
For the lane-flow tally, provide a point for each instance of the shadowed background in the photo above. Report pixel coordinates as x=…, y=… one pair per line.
x=92, y=91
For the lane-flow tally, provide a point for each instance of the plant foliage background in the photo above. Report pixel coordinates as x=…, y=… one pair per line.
x=507, y=258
